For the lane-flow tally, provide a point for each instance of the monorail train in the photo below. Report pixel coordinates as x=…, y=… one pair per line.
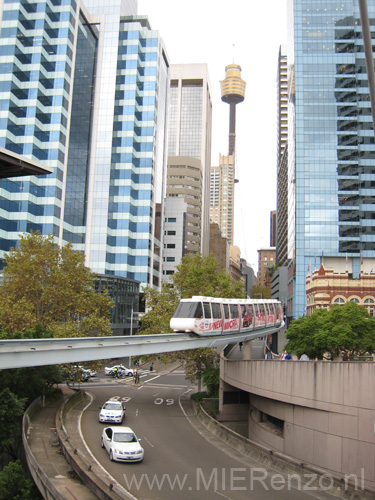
x=211, y=316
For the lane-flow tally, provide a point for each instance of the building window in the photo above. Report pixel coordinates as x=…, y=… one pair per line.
x=171, y=219
x=369, y=304
x=339, y=300
x=171, y=259
x=171, y=233
x=354, y=299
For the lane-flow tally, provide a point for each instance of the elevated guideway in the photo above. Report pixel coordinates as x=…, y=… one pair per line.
x=39, y=352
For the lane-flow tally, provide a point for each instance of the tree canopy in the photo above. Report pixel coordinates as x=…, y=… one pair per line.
x=260, y=292
x=197, y=275
x=327, y=334
x=48, y=286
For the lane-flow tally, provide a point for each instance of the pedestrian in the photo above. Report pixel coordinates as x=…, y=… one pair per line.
x=151, y=367
x=304, y=357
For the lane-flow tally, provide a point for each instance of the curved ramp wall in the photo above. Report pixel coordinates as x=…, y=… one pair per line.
x=324, y=411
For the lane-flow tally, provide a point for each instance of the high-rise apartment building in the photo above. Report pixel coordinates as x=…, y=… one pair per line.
x=282, y=101
x=84, y=91
x=184, y=184
x=222, y=196
x=273, y=228
x=282, y=158
x=189, y=149
x=331, y=150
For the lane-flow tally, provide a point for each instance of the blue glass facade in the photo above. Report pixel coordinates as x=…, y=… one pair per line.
x=36, y=60
x=331, y=140
x=88, y=100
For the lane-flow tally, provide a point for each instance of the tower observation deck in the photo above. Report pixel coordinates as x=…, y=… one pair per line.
x=232, y=92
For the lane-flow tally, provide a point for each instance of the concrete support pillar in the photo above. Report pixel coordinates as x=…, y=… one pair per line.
x=246, y=350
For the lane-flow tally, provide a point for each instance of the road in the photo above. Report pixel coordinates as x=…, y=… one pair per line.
x=182, y=460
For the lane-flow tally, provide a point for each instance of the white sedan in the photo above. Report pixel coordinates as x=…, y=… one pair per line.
x=121, y=369
x=112, y=411
x=122, y=444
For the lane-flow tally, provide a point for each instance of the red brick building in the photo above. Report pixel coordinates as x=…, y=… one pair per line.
x=324, y=288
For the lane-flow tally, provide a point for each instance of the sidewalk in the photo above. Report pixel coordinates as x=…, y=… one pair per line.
x=49, y=457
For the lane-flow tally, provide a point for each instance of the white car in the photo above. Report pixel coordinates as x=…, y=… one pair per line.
x=122, y=370
x=91, y=373
x=122, y=444
x=113, y=410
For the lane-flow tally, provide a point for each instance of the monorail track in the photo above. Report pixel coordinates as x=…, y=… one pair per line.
x=41, y=352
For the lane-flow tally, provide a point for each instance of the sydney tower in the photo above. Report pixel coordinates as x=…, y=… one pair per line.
x=232, y=92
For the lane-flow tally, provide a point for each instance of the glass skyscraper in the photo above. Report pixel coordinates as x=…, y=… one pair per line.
x=331, y=153
x=83, y=89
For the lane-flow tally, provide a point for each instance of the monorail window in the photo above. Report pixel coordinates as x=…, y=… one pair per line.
x=226, y=311
x=216, y=310
x=261, y=310
x=272, y=309
x=207, y=310
x=250, y=312
x=233, y=310
x=189, y=310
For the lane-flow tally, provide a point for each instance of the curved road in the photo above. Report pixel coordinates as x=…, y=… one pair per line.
x=182, y=460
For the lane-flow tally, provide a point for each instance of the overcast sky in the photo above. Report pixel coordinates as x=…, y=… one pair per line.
x=248, y=33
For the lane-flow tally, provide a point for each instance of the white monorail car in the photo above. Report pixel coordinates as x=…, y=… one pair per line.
x=211, y=316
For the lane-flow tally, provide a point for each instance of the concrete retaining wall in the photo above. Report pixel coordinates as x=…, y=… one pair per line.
x=328, y=410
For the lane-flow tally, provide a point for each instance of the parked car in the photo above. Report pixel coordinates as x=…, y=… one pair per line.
x=91, y=373
x=122, y=444
x=121, y=369
x=113, y=410
x=75, y=374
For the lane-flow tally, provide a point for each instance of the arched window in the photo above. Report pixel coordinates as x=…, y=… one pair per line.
x=339, y=301
x=354, y=299
x=369, y=304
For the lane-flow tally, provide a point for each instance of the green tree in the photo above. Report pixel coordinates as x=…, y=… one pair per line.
x=16, y=485
x=50, y=286
x=160, y=308
x=197, y=362
x=197, y=275
x=11, y=409
x=211, y=379
x=326, y=334
x=40, y=380
x=260, y=292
